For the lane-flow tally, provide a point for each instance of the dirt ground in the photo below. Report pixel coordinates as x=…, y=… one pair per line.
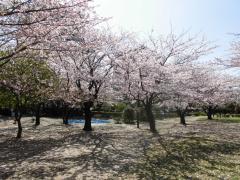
x=202, y=150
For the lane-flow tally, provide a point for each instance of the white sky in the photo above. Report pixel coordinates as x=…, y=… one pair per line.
x=215, y=19
x=134, y=15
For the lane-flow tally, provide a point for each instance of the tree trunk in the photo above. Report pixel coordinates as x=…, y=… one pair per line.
x=138, y=118
x=65, y=115
x=65, y=119
x=15, y=115
x=88, y=116
x=18, y=116
x=150, y=117
x=138, y=113
x=19, y=133
x=181, y=114
x=37, y=114
x=182, y=120
x=209, y=112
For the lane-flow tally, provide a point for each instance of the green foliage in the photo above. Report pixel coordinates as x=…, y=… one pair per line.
x=113, y=115
x=2, y=55
x=105, y=107
x=236, y=115
x=116, y=116
x=163, y=115
x=142, y=115
x=31, y=80
x=118, y=120
x=119, y=107
x=128, y=115
x=6, y=98
x=198, y=113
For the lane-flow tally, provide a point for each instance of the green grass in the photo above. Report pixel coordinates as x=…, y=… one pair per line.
x=200, y=151
x=223, y=119
x=190, y=158
x=229, y=119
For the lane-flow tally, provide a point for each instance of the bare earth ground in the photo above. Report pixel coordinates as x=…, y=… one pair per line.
x=202, y=150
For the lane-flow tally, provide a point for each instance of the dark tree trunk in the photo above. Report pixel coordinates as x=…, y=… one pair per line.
x=150, y=117
x=209, y=112
x=138, y=120
x=65, y=119
x=66, y=115
x=15, y=115
x=37, y=114
x=18, y=116
x=19, y=133
x=182, y=120
x=182, y=114
x=88, y=116
x=138, y=113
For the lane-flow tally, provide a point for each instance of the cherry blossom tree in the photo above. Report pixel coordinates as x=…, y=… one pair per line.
x=67, y=91
x=148, y=68
x=212, y=88
x=235, y=58
x=42, y=25
x=184, y=95
x=200, y=86
x=90, y=67
x=26, y=80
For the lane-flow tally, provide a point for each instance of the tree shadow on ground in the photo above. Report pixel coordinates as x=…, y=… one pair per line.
x=54, y=151
x=85, y=154
x=187, y=158
x=13, y=152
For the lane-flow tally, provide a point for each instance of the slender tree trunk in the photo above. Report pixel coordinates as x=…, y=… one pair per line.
x=18, y=116
x=150, y=117
x=15, y=115
x=37, y=114
x=19, y=133
x=182, y=119
x=209, y=112
x=138, y=113
x=88, y=116
x=138, y=119
x=66, y=115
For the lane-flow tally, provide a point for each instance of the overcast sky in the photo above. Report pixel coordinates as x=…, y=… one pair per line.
x=216, y=19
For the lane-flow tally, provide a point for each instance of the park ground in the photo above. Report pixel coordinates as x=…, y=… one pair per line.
x=202, y=150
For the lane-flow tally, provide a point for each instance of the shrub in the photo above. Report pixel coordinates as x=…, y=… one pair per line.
x=107, y=115
x=142, y=115
x=235, y=115
x=118, y=120
x=128, y=115
x=228, y=115
x=199, y=113
x=119, y=107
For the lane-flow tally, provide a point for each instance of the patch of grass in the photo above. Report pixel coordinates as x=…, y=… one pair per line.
x=223, y=119
x=190, y=158
x=229, y=119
